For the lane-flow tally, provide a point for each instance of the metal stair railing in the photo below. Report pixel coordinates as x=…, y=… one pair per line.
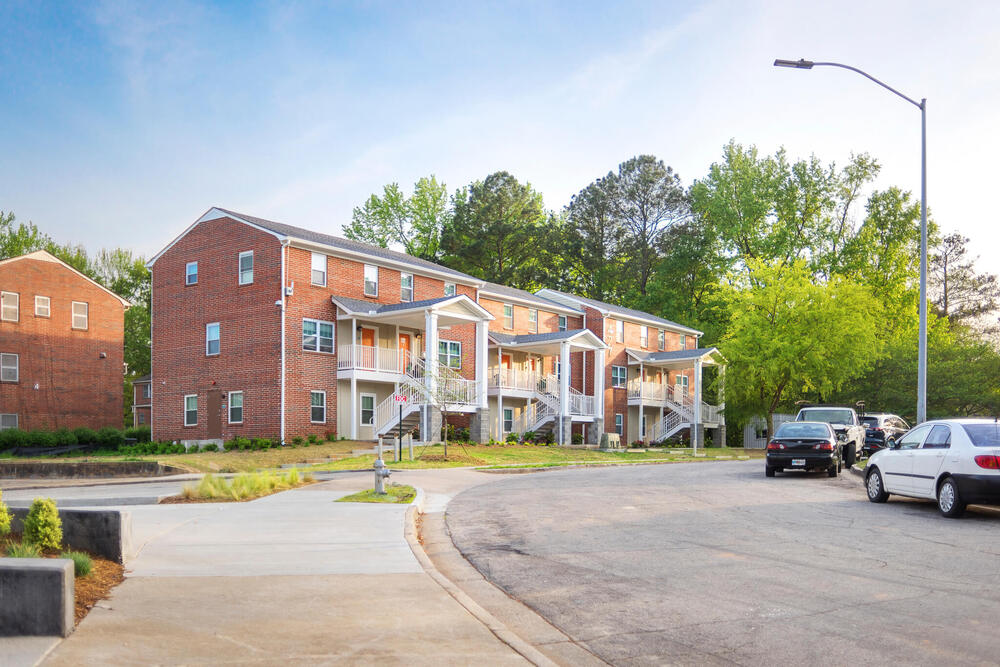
x=671, y=423
x=533, y=417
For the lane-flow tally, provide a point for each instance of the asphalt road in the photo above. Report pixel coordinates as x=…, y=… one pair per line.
x=712, y=563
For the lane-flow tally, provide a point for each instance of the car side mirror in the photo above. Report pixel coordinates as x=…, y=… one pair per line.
x=893, y=444
x=841, y=437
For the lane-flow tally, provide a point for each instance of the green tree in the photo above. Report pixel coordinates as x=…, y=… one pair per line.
x=957, y=290
x=413, y=223
x=19, y=239
x=594, y=246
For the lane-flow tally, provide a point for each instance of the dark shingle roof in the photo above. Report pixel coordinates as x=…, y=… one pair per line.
x=626, y=312
x=347, y=244
x=522, y=339
x=142, y=378
x=361, y=306
x=673, y=355
x=504, y=290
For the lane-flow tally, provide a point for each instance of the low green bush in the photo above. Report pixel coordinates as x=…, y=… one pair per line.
x=64, y=437
x=512, y=437
x=140, y=433
x=5, y=517
x=529, y=436
x=43, y=526
x=577, y=438
x=13, y=437
x=110, y=437
x=24, y=550
x=297, y=440
x=86, y=436
x=313, y=439
x=82, y=563
x=40, y=438
x=210, y=447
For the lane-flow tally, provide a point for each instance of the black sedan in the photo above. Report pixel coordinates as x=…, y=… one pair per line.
x=881, y=430
x=804, y=446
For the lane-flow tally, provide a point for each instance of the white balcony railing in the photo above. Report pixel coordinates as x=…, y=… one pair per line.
x=368, y=358
x=514, y=378
x=648, y=391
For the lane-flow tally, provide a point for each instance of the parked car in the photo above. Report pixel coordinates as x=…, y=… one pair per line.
x=804, y=446
x=881, y=430
x=953, y=461
x=845, y=423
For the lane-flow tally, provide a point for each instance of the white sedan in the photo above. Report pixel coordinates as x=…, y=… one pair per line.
x=953, y=461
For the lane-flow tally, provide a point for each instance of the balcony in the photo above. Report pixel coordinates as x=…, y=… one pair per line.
x=649, y=393
x=385, y=360
x=514, y=378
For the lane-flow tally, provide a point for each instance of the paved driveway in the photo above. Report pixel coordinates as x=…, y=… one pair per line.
x=712, y=563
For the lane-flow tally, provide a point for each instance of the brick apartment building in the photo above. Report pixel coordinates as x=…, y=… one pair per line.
x=261, y=329
x=142, y=404
x=61, y=347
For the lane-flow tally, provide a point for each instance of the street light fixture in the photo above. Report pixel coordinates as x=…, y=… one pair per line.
x=922, y=105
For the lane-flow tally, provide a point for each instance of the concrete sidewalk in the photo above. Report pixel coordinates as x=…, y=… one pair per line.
x=293, y=578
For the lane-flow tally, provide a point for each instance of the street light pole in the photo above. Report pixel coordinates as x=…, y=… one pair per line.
x=922, y=105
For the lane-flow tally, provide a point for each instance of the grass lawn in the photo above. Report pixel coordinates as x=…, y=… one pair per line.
x=394, y=493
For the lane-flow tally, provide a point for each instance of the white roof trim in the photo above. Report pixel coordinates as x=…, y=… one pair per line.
x=211, y=214
x=709, y=352
x=617, y=314
x=460, y=299
x=46, y=256
x=539, y=305
x=597, y=343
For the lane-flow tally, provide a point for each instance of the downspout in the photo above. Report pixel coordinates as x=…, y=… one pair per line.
x=284, y=252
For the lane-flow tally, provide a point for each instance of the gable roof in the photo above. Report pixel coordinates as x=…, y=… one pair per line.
x=673, y=355
x=334, y=243
x=46, y=256
x=490, y=290
x=360, y=307
x=621, y=311
x=515, y=340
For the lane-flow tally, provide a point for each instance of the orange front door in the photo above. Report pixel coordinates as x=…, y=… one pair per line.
x=505, y=361
x=532, y=363
x=368, y=337
x=404, y=342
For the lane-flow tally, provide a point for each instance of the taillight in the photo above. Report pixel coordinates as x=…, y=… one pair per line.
x=824, y=446
x=774, y=446
x=988, y=461
x=876, y=428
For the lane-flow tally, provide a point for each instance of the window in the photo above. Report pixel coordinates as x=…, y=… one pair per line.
x=246, y=267
x=8, y=421
x=644, y=336
x=562, y=323
x=682, y=381
x=912, y=439
x=450, y=353
x=683, y=341
x=508, y=420
x=9, y=368
x=42, y=306
x=660, y=340
x=620, y=331
x=212, y=339
x=317, y=335
x=618, y=375
x=81, y=314
x=191, y=273
x=558, y=369
x=317, y=407
x=619, y=421
x=191, y=410
x=236, y=407
x=449, y=289
x=367, y=409
x=141, y=417
x=9, y=306
x=642, y=428
x=508, y=316
x=939, y=438
x=147, y=391
x=371, y=280
x=406, y=287
x=318, y=275
x=533, y=320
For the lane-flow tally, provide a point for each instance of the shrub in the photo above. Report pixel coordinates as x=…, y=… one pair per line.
x=64, y=437
x=230, y=445
x=82, y=563
x=313, y=439
x=110, y=437
x=512, y=437
x=463, y=434
x=297, y=440
x=180, y=449
x=210, y=447
x=529, y=436
x=4, y=516
x=578, y=438
x=13, y=437
x=43, y=526
x=24, y=550
x=550, y=438
x=140, y=433
x=331, y=436
x=86, y=436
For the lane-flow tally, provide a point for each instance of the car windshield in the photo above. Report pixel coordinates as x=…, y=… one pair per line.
x=869, y=421
x=802, y=430
x=983, y=435
x=830, y=416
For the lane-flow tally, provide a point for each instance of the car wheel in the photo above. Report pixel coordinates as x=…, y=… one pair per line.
x=832, y=470
x=849, y=454
x=840, y=465
x=875, y=487
x=949, y=500
x=768, y=471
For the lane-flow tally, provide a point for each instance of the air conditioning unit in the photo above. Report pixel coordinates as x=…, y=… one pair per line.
x=290, y=289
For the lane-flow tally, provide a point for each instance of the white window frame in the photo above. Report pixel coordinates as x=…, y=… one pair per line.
x=74, y=315
x=147, y=390
x=229, y=409
x=317, y=392
x=643, y=336
x=661, y=340
x=39, y=300
x=5, y=359
x=5, y=306
x=619, y=379
x=448, y=353
x=320, y=259
x=508, y=320
x=619, y=423
x=683, y=381
x=558, y=369
x=8, y=415
x=318, y=347
x=403, y=297
x=186, y=411
x=218, y=339
x=620, y=331
x=563, y=323
x=642, y=426
x=370, y=268
x=361, y=407
x=508, y=422
x=533, y=320
x=240, y=270
x=682, y=340
x=450, y=289
x=188, y=274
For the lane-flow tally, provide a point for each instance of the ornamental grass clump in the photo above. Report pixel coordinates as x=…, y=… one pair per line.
x=4, y=516
x=82, y=563
x=244, y=486
x=23, y=550
x=43, y=526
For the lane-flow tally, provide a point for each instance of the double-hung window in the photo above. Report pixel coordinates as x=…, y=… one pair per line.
x=8, y=421
x=620, y=331
x=508, y=316
x=619, y=419
x=508, y=420
x=449, y=289
x=317, y=407
x=562, y=323
x=43, y=306
x=660, y=340
x=318, y=275
x=246, y=267
x=9, y=367
x=371, y=280
x=533, y=320
x=618, y=375
x=450, y=353
x=642, y=431
x=191, y=273
x=191, y=410
x=406, y=287
x=9, y=306
x=367, y=409
x=558, y=369
x=683, y=340
x=212, y=339
x=81, y=314
x=644, y=336
x=236, y=407
x=317, y=335
x=147, y=391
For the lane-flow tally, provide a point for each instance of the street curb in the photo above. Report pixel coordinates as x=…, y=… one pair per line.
x=520, y=471
x=502, y=632
x=857, y=471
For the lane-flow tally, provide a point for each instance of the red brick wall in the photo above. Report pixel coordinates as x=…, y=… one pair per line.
x=249, y=358
x=139, y=400
x=76, y=387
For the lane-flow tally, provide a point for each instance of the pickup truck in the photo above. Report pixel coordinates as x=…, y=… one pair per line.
x=849, y=429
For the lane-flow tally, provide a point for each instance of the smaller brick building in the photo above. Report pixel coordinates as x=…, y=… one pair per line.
x=61, y=346
x=142, y=400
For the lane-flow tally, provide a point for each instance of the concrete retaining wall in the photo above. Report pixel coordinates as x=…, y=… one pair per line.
x=37, y=596
x=84, y=469
x=106, y=533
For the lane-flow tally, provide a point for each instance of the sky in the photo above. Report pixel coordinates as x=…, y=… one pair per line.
x=121, y=123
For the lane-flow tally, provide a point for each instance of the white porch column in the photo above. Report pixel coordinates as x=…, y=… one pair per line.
x=430, y=367
x=354, y=405
x=599, y=382
x=481, y=378
x=564, y=372
x=642, y=389
x=696, y=423
x=722, y=395
x=500, y=434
